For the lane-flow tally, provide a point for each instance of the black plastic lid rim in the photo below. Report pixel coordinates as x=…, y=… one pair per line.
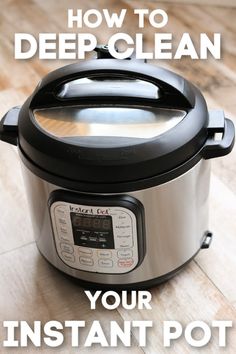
x=128, y=164
x=118, y=187
x=130, y=159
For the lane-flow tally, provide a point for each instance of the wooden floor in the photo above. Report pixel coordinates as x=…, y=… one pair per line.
x=30, y=289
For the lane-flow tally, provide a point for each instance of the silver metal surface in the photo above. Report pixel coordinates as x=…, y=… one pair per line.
x=133, y=122
x=176, y=217
x=87, y=87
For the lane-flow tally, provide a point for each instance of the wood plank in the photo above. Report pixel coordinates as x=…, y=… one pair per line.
x=190, y=296
x=44, y=294
x=205, y=290
x=219, y=262
x=15, y=224
x=230, y=3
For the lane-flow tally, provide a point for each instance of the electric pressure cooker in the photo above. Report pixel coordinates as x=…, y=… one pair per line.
x=115, y=157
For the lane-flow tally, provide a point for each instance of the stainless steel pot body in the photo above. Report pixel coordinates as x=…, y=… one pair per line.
x=176, y=219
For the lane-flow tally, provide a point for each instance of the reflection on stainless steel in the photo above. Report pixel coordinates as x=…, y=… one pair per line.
x=86, y=87
x=136, y=122
x=176, y=217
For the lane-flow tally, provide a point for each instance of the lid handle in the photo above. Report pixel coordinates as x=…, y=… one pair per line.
x=218, y=124
x=175, y=92
x=9, y=126
x=103, y=52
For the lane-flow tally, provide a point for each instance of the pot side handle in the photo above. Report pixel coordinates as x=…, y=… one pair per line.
x=9, y=126
x=218, y=124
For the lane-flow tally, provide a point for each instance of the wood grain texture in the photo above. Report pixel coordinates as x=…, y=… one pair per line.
x=230, y=3
x=30, y=289
x=187, y=297
x=37, y=291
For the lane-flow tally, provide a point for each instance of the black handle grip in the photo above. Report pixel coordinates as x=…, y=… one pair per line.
x=9, y=126
x=175, y=91
x=219, y=124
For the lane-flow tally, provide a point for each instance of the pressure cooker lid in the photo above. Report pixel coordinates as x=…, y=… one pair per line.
x=73, y=123
x=108, y=121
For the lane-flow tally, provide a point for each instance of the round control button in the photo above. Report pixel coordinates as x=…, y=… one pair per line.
x=68, y=257
x=104, y=254
x=85, y=251
x=66, y=247
x=125, y=253
x=125, y=263
x=105, y=263
x=86, y=261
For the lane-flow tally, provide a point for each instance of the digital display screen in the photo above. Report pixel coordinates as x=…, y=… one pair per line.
x=93, y=231
x=90, y=222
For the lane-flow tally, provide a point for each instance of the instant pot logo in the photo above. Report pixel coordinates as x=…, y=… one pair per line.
x=89, y=210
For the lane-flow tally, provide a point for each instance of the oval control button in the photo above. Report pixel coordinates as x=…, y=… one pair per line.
x=85, y=251
x=68, y=257
x=124, y=241
x=64, y=238
x=86, y=261
x=60, y=210
x=104, y=253
x=125, y=263
x=126, y=253
x=66, y=247
x=63, y=230
x=105, y=263
x=61, y=221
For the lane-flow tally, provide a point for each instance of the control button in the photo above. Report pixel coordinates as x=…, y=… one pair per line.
x=102, y=239
x=122, y=216
x=84, y=250
x=92, y=238
x=123, y=222
x=84, y=243
x=63, y=230
x=66, y=247
x=85, y=233
x=64, y=238
x=101, y=233
x=104, y=254
x=124, y=241
x=125, y=263
x=68, y=257
x=60, y=210
x=105, y=263
x=86, y=261
x=84, y=238
x=125, y=253
x=62, y=221
x=122, y=226
x=64, y=235
x=124, y=235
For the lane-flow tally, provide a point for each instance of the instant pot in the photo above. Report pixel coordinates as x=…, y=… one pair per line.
x=115, y=157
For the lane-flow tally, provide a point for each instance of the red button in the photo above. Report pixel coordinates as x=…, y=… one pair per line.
x=125, y=263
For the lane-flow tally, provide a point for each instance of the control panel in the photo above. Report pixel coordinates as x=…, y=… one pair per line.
x=95, y=237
